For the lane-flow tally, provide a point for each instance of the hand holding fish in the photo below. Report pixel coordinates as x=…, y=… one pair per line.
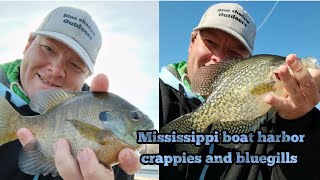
x=87, y=165
x=302, y=87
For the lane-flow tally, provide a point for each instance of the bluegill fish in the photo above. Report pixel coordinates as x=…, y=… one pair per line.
x=102, y=121
x=235, y=90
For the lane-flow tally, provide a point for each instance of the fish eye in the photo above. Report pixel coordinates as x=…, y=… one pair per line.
x=135, y=115
x=103, y=116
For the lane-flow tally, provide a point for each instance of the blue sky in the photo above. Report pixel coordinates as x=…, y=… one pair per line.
x=283, y=28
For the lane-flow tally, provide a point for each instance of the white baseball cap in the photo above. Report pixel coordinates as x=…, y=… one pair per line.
x=233, y=19
x=75, y=28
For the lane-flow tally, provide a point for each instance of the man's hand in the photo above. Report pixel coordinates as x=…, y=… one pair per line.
x=100, y=83
x=87, y=167
x=302, y=88
x=67, y=166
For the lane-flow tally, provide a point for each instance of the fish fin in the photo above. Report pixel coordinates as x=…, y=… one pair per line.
x=48, y=99
x=9, y=119
x=183, y=124
x=271, y=113
x=91, y=132
x=205, y=77
x=263, y=88
x=33, y=161
x=149, y=149
x=272, y=85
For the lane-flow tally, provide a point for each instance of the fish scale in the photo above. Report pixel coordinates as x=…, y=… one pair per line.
x=234, y=93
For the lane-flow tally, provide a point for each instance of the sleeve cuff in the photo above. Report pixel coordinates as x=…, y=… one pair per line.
x=299, y=125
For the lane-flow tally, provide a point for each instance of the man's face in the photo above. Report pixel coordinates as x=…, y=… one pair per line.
x=210, y=46
x=50, y=64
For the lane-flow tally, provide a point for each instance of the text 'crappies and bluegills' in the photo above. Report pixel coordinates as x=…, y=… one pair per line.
x=223, y=138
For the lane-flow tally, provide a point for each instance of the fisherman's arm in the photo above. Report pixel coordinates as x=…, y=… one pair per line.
x=88, y=167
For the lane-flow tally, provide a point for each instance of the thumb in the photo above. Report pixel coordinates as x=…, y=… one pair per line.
x=25, y=136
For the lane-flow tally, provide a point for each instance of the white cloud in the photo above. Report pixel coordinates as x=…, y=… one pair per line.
x=129, y=54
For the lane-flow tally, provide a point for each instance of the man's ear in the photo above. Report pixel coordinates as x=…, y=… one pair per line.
x=192, y=39
x=194, y=35
x=31, y=38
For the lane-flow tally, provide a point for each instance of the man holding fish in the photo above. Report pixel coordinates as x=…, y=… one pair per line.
x=60, y=54
x=218, y=38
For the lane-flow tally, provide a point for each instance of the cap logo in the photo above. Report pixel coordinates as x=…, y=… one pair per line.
x=235, y=15
x=71, y=20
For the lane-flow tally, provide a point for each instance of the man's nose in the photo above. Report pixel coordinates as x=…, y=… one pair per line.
x=57, y=68
x=216, y=58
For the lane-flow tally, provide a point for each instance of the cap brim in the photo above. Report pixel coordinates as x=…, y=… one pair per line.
x=229, y=31
x=71, y=44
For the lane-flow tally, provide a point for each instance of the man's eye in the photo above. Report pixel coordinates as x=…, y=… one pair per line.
x=76, y=67
x=47, y=48
x=235, y=54
x=210, y=42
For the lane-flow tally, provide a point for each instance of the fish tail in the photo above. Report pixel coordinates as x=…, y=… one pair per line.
x=9, y=119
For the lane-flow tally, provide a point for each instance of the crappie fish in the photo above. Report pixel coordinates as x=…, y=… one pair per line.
x=102, y=121
x=235, y=91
